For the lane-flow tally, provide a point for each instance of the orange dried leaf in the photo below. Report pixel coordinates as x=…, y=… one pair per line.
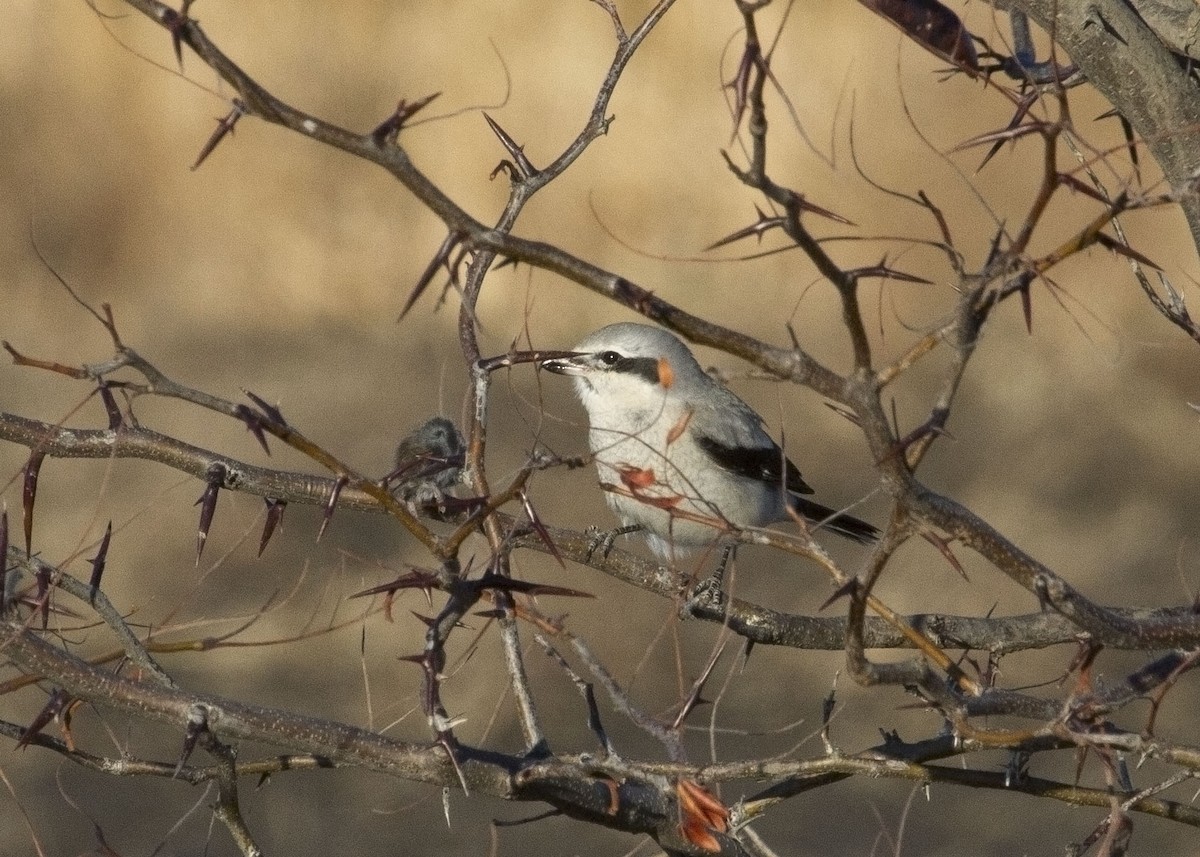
x=695, y=832
x=694, y=799
x=635, y=478
x=700, y=813
x=680, y=426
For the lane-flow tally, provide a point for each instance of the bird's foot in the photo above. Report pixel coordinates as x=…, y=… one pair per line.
x=706, y=598
x=709, y=594
x=602, y=540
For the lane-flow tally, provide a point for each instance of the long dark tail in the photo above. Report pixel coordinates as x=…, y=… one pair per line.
x=844, y=525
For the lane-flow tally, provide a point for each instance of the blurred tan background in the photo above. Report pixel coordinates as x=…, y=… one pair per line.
x=280, y=268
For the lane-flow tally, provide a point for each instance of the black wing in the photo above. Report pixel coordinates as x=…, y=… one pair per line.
x=765, y=464
x=771, y=466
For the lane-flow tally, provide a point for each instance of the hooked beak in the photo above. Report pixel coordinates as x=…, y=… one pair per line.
x=571, y=364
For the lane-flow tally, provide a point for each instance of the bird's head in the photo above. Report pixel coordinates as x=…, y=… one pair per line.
x=628, y=364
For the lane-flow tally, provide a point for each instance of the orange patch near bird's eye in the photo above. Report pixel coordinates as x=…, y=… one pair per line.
x=680, y=426
x=666, y=375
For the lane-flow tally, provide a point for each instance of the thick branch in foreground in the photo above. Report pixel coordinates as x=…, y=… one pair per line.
x=756, y=623
x=623, y=796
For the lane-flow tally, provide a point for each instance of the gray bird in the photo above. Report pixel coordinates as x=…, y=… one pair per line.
x=681, y=457
x=428, y=462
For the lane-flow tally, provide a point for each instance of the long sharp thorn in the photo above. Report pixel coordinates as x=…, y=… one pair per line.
x=759, y=228
x=416, y=579
x=741, y=84
x=331, y=505
x=389, y=129
x=224, y=128
x=98, y=562
x=1123, y=249
x=208, y=505
x=272, y=412
x=447, y=742
x=54, y=705
x=503, y=583
x=440, y=258
x=516, y=152
x=29, y=495
x=175, y=23
x=540, y=529
x=846, y=589
x=812, y=208
x=695, y=698
x=254, y=425
x=275, y=509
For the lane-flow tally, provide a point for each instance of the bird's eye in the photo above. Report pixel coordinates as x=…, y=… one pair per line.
x=609, y=358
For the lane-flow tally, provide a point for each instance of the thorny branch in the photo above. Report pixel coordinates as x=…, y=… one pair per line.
x=668, y=800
